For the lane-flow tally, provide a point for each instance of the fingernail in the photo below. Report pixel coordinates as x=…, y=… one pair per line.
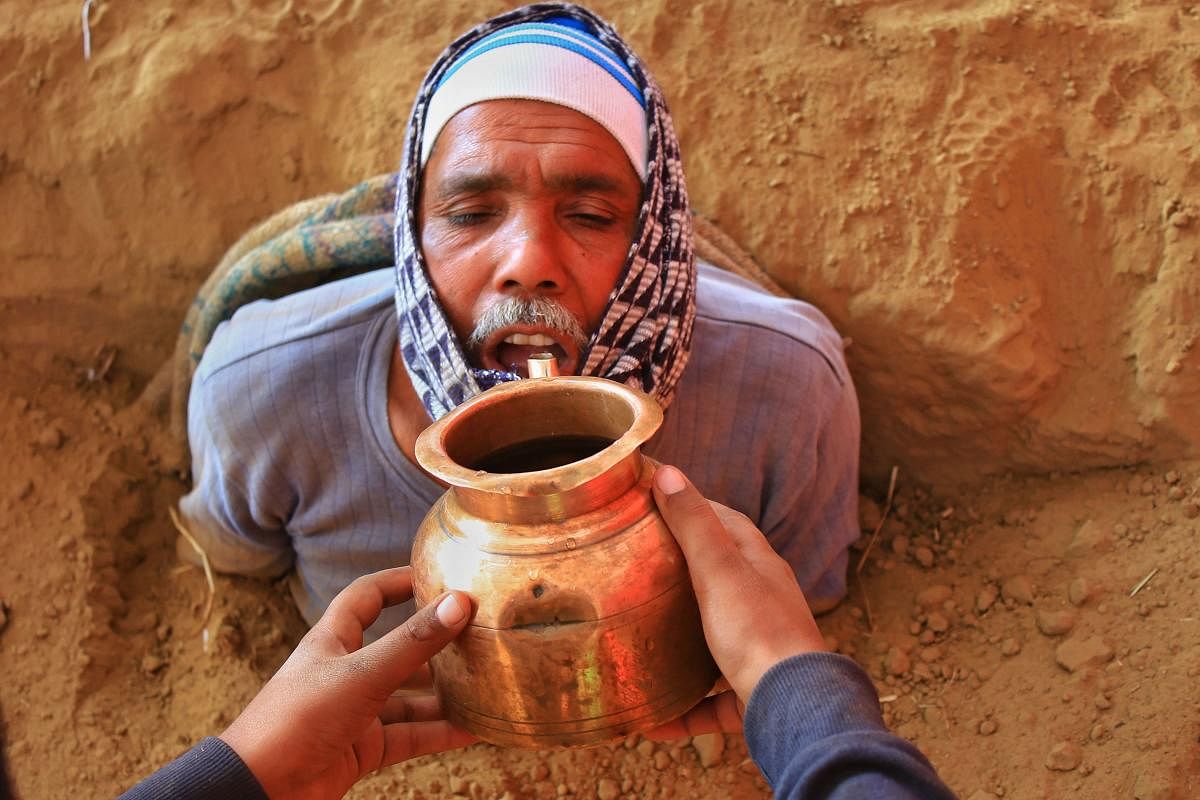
x=669, y=480
x=450, y=611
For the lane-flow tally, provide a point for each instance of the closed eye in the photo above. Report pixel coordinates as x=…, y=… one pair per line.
x=467, y=219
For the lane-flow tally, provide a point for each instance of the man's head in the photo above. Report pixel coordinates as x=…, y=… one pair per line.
x=541, y=207
x=533, y=155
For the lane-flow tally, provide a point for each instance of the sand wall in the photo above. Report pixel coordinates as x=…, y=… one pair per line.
x=996, y=201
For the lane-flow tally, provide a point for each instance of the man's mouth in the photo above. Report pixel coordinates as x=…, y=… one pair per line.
x=511, y=348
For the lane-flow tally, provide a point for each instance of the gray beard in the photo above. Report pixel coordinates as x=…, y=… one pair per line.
x=539, y=311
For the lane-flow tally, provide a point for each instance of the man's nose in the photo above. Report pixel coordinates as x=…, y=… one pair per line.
x=530, y=258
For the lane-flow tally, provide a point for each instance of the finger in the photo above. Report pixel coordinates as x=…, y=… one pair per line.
x=746, y=536
x=411, y=708
x=358, y=605
x=421, y=680
x=405, y=741
x=706, y=544
x=720, y=713
x=388, y=662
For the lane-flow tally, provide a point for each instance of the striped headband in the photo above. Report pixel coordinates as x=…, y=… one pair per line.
x=556, y=61
x=644, y=336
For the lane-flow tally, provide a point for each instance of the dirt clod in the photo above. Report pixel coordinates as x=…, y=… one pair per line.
x=1064, y=757
x=1080, y=591
x=51, y=437
x=608, y=789
x=709, y=748
x=986, y=598
x=1018, y=589
x=934, y=596
x=1074, y=654
x=897, y=662
x=1055, y=623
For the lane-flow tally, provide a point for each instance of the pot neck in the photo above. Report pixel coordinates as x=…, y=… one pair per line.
x=540, y=501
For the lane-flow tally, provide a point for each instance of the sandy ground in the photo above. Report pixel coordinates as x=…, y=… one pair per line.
x=996, y=201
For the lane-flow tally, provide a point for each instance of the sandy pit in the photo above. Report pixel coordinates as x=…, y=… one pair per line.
x=997, y=202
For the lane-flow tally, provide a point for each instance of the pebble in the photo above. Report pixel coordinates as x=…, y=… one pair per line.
x=1055, y=623
x=924, y=556
x=988, y=727
x=1191, y=510
x=458, y=784
x=1010, y=647
x=661, y=759
x=986, y=598
x=645, y=748
x=709, y=747
x=900, y=546
x=1097, y=732
x=608, y=789
x=1080, y=591
x=1064, y=757
x=1074, y=654
x=1171, y=477
x=934, y=596
x=541, y=772
x=1019, y=589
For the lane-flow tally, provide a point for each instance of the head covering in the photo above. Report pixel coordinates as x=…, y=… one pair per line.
x=556, y=61
x=644, y=335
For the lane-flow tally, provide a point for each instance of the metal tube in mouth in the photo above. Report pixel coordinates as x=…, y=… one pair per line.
x=542, y=365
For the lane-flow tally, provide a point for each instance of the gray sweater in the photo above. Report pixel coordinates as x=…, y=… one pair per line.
x=295, y=465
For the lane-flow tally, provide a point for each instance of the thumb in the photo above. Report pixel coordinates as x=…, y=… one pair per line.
x=706, y=544
x=404, y=649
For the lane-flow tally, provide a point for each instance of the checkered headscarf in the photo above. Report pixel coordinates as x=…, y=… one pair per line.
x=644, y=337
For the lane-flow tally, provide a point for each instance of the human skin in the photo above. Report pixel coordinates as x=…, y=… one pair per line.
x=519, y=197
x=328, y=716
x=753, y=611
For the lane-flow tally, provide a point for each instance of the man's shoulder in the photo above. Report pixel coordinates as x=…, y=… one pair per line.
x=737, y=318
x=273, y=331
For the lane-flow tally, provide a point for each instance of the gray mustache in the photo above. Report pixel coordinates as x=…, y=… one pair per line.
x=538, y=311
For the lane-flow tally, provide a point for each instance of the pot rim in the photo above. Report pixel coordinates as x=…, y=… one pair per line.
x=431, y=446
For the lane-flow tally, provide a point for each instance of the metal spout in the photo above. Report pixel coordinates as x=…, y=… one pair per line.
x=542, y=365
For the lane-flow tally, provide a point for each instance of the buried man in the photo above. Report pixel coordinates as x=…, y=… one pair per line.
x=540, y=207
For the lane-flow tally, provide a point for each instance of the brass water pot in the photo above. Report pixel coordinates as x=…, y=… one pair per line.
x=586, y=627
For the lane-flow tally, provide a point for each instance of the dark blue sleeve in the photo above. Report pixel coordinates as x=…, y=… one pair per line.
x=208, y=771
x=814, y=728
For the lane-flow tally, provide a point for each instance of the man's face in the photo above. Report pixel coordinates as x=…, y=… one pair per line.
x=527, y=200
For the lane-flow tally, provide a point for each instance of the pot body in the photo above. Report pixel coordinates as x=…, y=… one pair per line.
x=586, y=628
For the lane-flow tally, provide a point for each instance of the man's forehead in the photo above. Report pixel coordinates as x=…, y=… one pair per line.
x=481, y=148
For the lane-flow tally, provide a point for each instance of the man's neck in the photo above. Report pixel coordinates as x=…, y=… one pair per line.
x=407, y=417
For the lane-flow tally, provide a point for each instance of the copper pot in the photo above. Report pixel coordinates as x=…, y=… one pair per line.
x=586, y=627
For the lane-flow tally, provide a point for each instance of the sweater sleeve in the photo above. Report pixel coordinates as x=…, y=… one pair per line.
x=814, y=727
x=208, y=771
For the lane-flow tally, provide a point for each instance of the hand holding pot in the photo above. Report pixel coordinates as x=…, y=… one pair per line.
x=329, y=717
x=753, y=611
